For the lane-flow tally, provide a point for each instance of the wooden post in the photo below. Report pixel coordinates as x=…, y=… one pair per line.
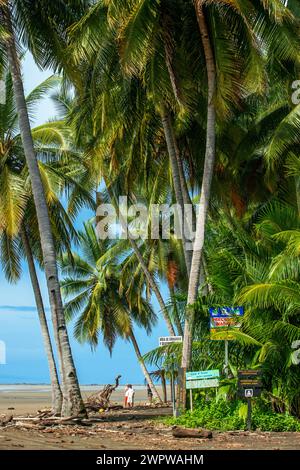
x=191, y=400
x=226, y=363
x=249, y=411
x=173, y=394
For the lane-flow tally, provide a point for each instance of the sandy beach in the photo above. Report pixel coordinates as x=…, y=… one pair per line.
x=24, y=399
x=116, y=430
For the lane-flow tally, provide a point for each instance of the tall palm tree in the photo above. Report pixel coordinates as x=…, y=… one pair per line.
x=98, y=140
x=97, y=293
x=72, y=400
x=13, y=202
x=275, y=17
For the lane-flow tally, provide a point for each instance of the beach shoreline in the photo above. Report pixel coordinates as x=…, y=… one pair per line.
x=18, y=399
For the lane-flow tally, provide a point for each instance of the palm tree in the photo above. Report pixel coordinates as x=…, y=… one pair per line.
x=13, y=203
x=99, y=141
x=280, y=20
x=98, y=294
x=62, y=170
x=72, y=401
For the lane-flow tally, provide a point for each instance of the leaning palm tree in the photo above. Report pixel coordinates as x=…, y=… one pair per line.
x=12, y=17
x=14, y=200
x=100, y=297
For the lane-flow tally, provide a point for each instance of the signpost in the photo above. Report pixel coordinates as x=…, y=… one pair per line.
x=203, y=383
x=249, y=386
x=164, y=341
x=223, y=320
x=203, y=374
x=201, y=379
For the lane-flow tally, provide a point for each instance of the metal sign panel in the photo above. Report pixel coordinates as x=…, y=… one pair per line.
x=203, y=374
x=256, y=392
x=249, y=381
x=223, y=320
x=164, y=340
x=202, y=383
x=249, y=373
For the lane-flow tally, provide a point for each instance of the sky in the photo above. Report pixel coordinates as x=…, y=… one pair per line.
x=19, y=326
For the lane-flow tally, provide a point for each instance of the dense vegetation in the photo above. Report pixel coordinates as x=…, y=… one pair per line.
x=161, y=101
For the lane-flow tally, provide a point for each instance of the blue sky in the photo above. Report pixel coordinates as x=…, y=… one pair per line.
x=19, y=326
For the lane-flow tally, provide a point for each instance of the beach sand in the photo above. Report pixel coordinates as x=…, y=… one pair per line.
x=117, y=430
x=24, y=399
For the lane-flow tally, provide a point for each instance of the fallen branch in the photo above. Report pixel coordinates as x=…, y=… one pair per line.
x=192, y=433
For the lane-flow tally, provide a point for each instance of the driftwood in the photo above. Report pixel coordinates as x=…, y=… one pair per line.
x=26, y=421
x=4, y=420
x=100, y=400
x=193, y=433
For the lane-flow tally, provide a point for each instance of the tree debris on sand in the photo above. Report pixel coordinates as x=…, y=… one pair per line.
x=192, y=433
x=101, y=400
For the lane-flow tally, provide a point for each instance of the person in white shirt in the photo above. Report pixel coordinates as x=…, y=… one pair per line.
x=130, y=396
x=125, y=397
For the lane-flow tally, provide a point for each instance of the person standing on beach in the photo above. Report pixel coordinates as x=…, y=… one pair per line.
x=130, y=396
x=149, y=393
x=125, y=397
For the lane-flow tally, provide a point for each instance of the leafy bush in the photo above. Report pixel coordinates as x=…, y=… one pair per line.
x=268, y=421
x=231, y=415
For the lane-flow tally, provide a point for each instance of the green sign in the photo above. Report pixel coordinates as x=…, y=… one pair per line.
x=203, y=374
x=202, y=383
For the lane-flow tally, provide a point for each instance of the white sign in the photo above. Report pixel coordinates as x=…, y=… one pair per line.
x=164, y=340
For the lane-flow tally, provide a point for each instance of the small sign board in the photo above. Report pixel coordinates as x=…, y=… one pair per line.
x=223, y=320
x=203, y=374
x=202, y=379
x=202, y=383
x=164, y=340
x=249, y=383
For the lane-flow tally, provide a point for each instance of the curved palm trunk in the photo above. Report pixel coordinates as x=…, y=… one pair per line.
x=143, y=366
x=153, y=286
x=178, y=177
x=55, y=387
x=176, y=314
x=206, y=186
x=146, y=271
x=72, y=401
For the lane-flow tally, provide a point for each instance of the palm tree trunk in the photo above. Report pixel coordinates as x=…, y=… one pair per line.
x=175, y=310
x=55, y=387
x=206, y=186
x=164, y=386
x=178, y=177
x=72, y=400
x=153, y=286
x=143, y=366
x=146, y=271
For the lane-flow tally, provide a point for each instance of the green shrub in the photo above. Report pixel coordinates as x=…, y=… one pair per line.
x=231, y=415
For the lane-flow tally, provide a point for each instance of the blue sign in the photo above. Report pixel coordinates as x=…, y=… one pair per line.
x=226, y=312
x=203, y=374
